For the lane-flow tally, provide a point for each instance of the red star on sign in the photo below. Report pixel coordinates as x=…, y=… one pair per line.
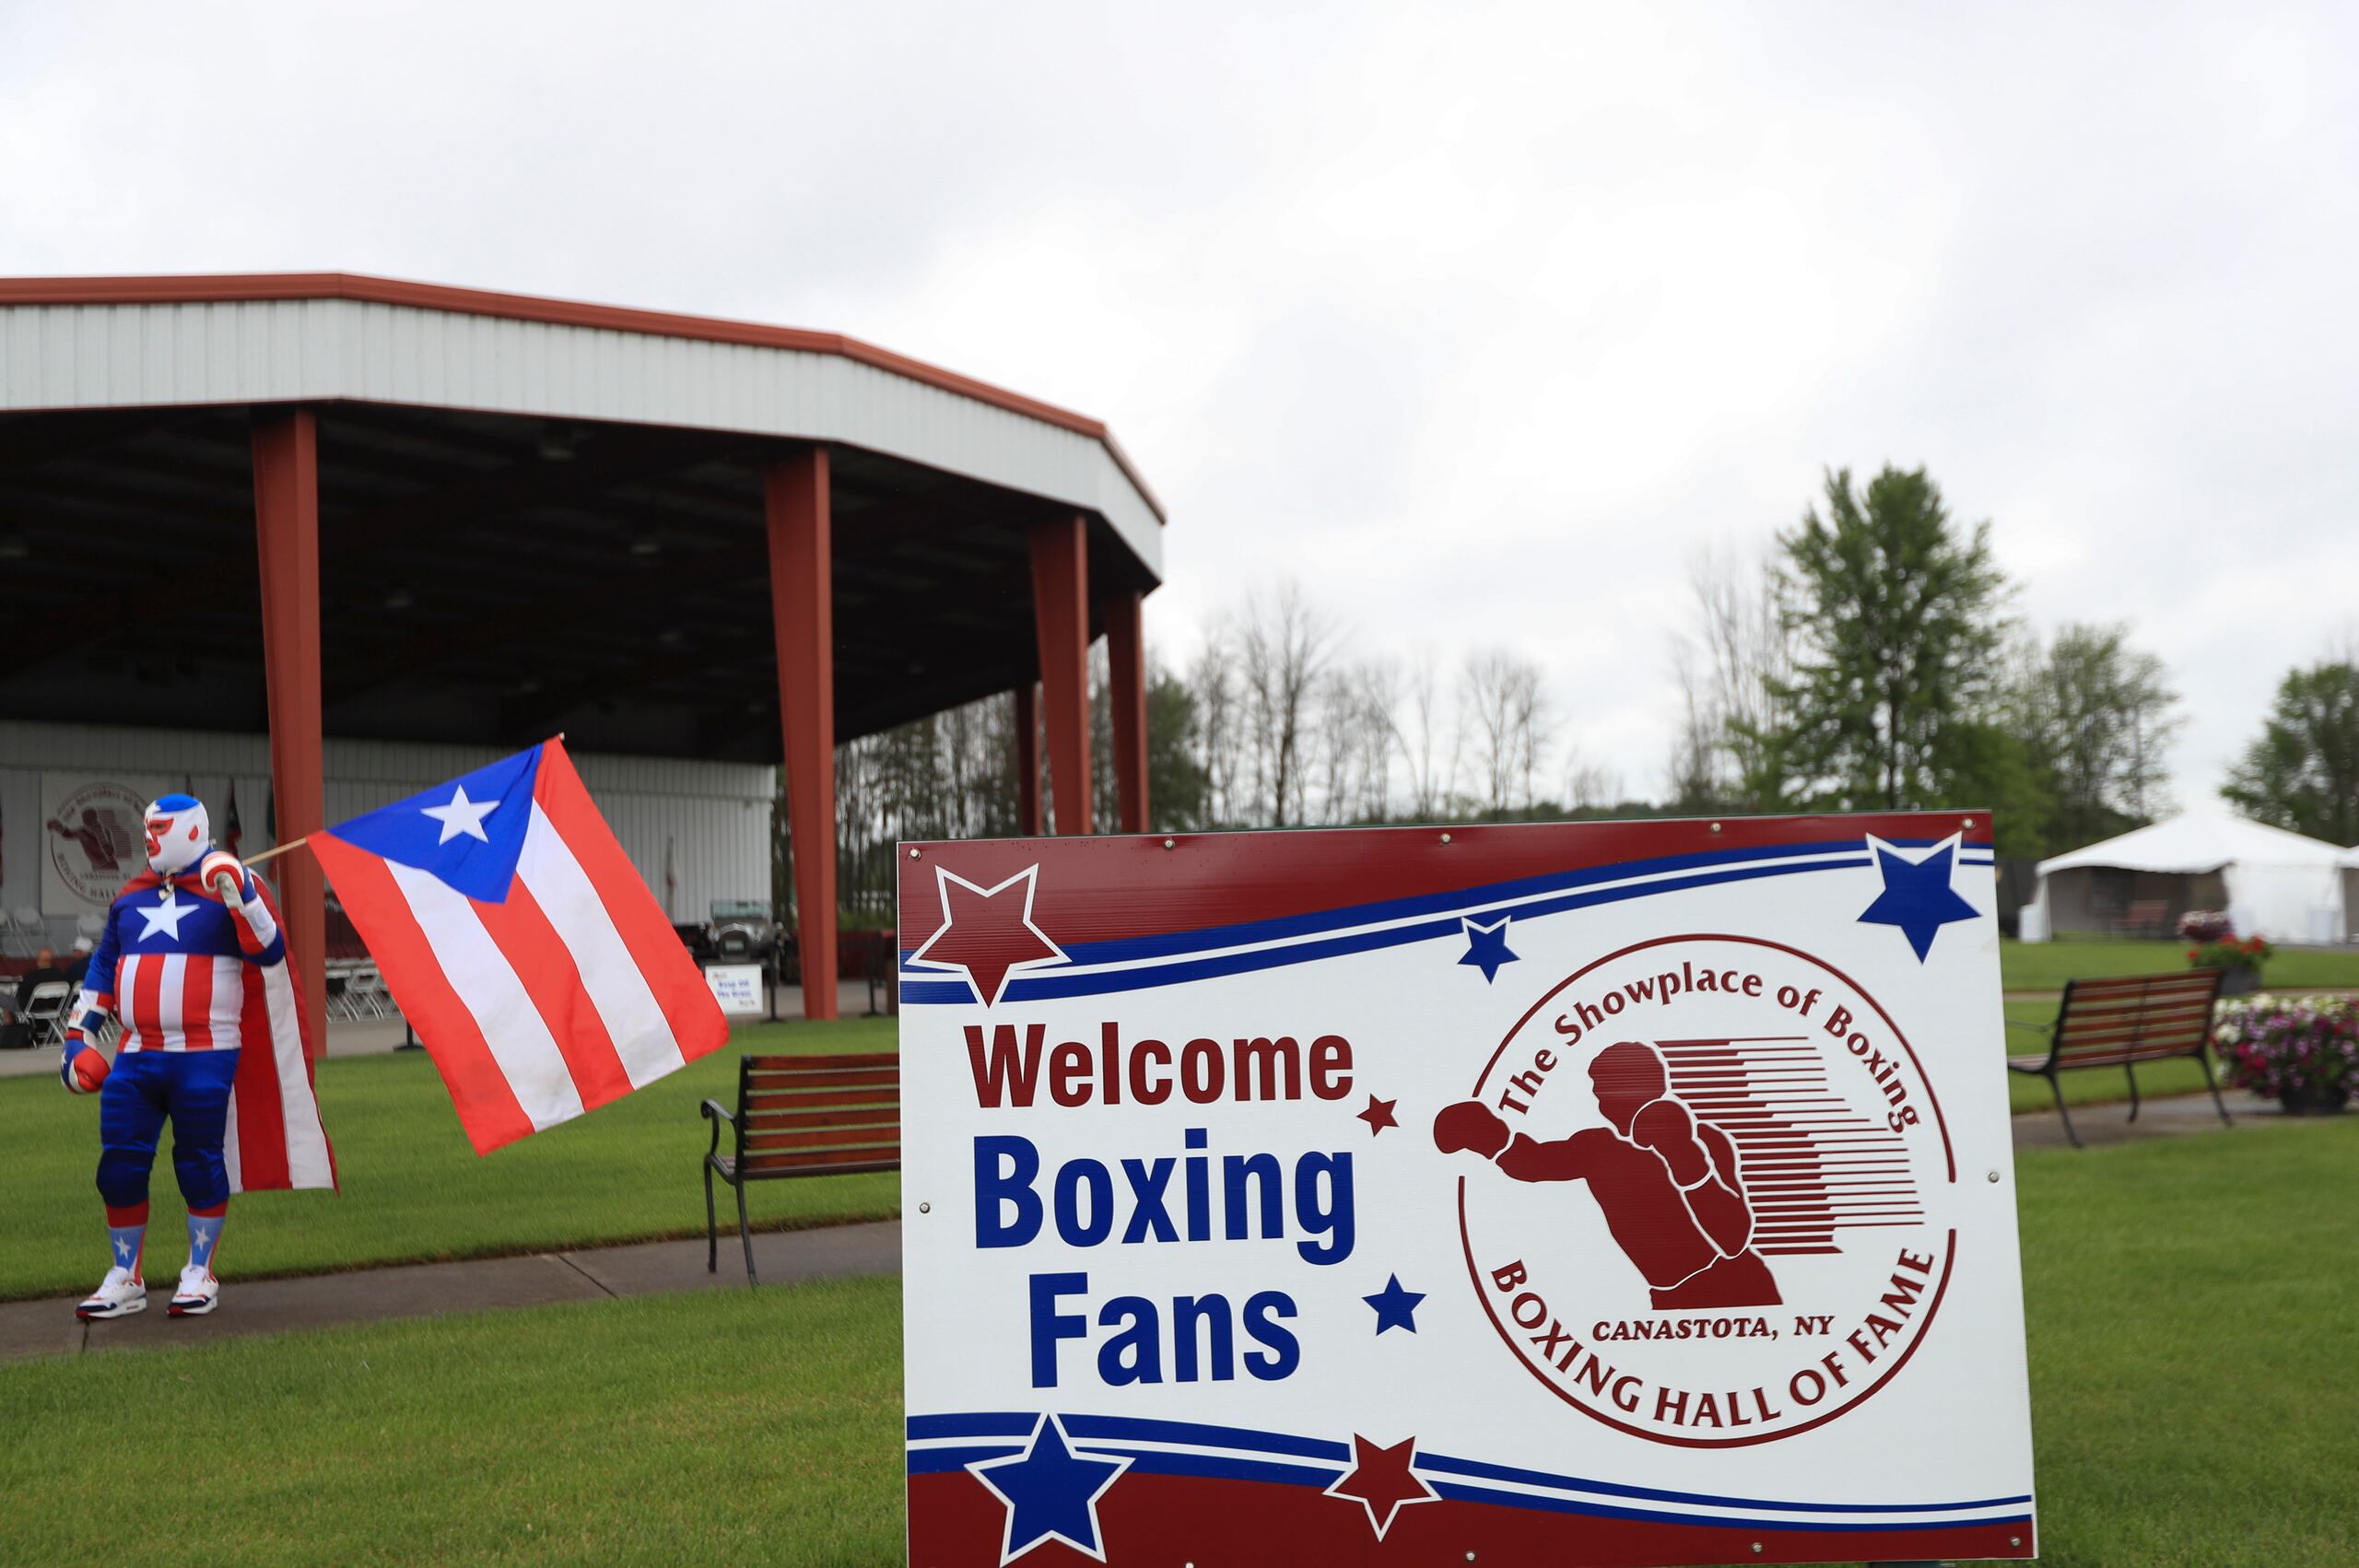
x=1379, y=1114
x=1381, y=1481
x=987, y=931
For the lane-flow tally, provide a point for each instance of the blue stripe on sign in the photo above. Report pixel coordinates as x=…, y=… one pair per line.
x=1460, y=1492
x=1036, y=987
x=1119, y=950
x=1539, y=1477
x=1138, y=1430
x=935, y=1461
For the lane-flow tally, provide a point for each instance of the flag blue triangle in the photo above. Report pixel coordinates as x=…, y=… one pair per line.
x=469, y=832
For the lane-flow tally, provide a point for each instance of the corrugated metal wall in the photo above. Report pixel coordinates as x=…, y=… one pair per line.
x=713, y=819
x=122, y=356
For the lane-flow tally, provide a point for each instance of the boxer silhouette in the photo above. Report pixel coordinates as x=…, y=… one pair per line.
x=1668, y=1183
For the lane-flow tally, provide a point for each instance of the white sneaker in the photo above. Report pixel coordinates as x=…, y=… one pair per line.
x=197, y=1294
x=120, y=1294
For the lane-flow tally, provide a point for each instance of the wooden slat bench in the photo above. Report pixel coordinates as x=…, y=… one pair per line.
x=2120, y=1023
x=2146, y=917
x=801, y=1116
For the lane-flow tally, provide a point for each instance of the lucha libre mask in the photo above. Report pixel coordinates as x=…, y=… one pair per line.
x=178, y=833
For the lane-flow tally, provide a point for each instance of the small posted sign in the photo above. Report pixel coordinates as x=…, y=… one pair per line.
x=1614, y=1193
x=737, y=987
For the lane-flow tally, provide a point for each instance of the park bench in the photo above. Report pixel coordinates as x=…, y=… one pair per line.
x=801, y=1116
x=2120, y=1023
x=2145, y=917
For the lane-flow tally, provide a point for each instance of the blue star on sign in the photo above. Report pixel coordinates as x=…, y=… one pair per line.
x=1486, y=946
x=1051, y=1492
x=1917, y=894
x=1395, y=1308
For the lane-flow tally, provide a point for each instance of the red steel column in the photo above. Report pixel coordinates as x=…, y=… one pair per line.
x=795, y=498
x=1028, y=760
x=287, y=530
x=1061, y=619
x=1126, y=683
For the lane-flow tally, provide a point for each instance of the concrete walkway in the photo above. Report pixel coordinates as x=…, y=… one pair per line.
x=427, y=1290
x=2169, y=1116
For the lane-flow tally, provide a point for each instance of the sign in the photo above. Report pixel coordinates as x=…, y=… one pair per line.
x=737, y=987
x=1628, y=1192
x=91, y=840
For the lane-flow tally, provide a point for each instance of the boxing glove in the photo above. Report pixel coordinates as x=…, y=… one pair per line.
x=1470, y=1124
x=84, y=1067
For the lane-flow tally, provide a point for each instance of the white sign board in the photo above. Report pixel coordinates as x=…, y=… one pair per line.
x=1635, y=1192
x=737, y=987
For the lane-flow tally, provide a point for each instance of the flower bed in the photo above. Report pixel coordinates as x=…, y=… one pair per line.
x=2304, y=1051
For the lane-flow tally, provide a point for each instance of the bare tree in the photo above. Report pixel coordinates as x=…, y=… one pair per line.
x=1283, y=646
x=1417, y=732
x=1502, y=701
x=1729, y=667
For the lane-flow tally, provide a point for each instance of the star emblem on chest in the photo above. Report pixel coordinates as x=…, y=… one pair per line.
x=166, y=916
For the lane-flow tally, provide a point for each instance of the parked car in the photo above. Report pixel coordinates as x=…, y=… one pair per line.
x=741, y=932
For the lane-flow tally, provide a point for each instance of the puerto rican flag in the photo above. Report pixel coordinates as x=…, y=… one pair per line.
x=515, y=934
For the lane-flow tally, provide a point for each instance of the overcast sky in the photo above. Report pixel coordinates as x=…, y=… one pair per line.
x=1476, y=320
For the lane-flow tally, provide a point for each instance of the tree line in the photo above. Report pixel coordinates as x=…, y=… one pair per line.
x=1868, y=659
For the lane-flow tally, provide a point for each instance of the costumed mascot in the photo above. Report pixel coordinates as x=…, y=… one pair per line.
x=194, y=962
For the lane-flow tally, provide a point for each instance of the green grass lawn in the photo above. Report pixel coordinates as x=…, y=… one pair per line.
x=2045, y=965
x=2194, y=1325
x=414, y=1190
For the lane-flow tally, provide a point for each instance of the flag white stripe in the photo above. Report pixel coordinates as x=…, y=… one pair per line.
x=634, y=1021
x=169, y=993
x=487, y=986
x=126, y=999
x=307, y=1140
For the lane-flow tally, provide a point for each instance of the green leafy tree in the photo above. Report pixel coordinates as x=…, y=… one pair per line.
x=2096, y=715
x=1895, y=619
x=1175, y=792
x=2303, y=770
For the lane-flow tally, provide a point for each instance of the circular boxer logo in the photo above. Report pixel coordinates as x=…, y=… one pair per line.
x=95, y=843
x=1709, y=1191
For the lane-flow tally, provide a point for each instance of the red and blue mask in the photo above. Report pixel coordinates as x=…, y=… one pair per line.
x=178, y=833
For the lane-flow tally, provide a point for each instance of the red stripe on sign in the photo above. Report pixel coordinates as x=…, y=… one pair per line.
x=551, y=977
x=671, y=975
x=197, y=1001
x=262, y=1112
x=479, y=1092
x=1132, y=886
x=148, y=1001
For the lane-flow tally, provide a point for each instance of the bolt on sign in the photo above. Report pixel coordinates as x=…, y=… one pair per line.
x=1613, y=1193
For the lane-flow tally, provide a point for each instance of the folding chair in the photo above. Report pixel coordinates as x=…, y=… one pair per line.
x=23, y=933
x=45, y=1011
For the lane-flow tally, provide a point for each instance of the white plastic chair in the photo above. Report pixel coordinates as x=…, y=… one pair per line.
x=24, y=933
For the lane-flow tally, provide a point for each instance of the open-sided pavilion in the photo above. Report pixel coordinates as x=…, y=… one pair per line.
x=329, y=504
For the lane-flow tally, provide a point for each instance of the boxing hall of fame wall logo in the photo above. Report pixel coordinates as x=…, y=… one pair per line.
x=97, y=841
x=1708, y=1191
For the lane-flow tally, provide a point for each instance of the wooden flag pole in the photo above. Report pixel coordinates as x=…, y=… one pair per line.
x=276, y=850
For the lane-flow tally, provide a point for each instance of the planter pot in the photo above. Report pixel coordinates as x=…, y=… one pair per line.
x=2241, y=980
x=2311, y=1099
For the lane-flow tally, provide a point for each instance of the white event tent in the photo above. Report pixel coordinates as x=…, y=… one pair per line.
x=2274, y=884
